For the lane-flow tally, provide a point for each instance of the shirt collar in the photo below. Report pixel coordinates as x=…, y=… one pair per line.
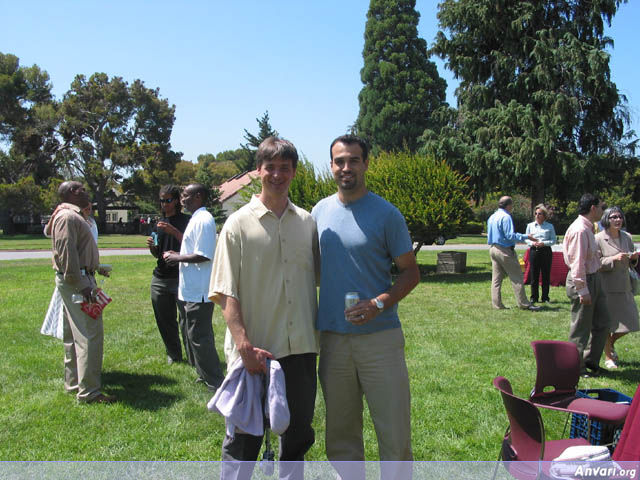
x=587, y=223
x=71, y=206
x=256, y=205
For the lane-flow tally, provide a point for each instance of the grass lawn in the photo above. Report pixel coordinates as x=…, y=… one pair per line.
x=40, y=242
x=455, y=345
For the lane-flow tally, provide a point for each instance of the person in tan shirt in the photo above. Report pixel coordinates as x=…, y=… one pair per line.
x=75, y=260
x=264, y=277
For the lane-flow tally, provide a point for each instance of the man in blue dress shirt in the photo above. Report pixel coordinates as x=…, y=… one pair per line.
x=502, y=238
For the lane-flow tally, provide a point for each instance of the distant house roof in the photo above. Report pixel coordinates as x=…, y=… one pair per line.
x=232, y=186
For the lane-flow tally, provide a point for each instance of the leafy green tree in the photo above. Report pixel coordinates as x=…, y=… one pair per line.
x=184, y=173
x=111, y=129
x=242, y=158
x=28, y=118
x=402, y=87
x=21, y=198
x=206, y=178
x=265, y=130
x=308, y=187
x=430, y=194
x=219, y=168
x=537, y=110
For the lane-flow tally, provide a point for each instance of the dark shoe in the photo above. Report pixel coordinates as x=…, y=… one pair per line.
x=590, y=372
x=102, y=398
x=532, y=308
x=533, y=300
x=171, y=361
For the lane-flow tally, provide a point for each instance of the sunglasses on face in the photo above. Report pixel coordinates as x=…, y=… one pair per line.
x=166, y=200
x=540, y=214
x=615, y=217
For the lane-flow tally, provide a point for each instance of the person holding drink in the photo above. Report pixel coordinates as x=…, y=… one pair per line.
x=617, y=255
x=362, y=347
x=540, y=254
x=167, y=310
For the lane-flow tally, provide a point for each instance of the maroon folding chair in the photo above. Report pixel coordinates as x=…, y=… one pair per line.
x=524, y=440
x=558, y=373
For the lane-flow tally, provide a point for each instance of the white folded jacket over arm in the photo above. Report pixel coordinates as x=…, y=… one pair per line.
x=239, y=400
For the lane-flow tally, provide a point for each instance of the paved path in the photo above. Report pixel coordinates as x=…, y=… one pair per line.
x=20, y=254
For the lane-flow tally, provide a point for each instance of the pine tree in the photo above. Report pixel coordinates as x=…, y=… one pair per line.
x=402, y=87
x=265, y=130
x=537, y=110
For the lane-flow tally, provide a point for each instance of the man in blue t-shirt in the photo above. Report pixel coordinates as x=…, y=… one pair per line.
x=362, y=347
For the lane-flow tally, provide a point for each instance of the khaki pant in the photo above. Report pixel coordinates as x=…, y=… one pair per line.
x=372, y=365
x=83, y=339
x=589, y=323
x=504, y=262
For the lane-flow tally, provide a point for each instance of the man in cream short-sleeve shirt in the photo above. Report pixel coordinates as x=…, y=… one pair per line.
x=264, y=278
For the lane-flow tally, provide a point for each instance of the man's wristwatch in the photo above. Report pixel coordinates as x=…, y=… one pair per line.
x=379, y=304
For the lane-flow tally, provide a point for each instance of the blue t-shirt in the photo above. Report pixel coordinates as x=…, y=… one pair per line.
x=358, y=242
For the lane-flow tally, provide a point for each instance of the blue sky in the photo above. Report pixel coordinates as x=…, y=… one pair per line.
x=223, y=63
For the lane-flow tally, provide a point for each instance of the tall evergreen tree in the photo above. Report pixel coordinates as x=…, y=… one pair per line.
x=265, y=130
x=537, y=110
x=402, y=87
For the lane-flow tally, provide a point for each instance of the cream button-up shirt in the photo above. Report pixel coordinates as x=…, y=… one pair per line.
x=270, y=265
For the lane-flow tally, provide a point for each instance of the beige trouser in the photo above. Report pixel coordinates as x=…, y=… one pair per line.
x=504, y=262
x=83, y=342
x=372, y=365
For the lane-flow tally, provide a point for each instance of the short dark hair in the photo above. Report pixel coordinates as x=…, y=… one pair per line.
x=174, y=191
x=199, y=188
x=350, y=139
x=66, y=188
x=587, y=201
x=505, y=201
x=273, y=147
x=605, y=220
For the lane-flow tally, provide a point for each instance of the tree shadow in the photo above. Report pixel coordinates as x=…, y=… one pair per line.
x=138, y=390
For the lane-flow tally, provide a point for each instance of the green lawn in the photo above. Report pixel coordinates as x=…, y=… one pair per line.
x=455, y=345
x=40, y=242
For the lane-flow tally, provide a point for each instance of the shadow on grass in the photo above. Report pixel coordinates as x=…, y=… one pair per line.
x=472, y=275
x=137, y=390
x=631, y=372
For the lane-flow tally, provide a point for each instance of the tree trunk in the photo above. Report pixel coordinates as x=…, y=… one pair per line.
x=101, y=207
x=537, y=192
x=6, y=222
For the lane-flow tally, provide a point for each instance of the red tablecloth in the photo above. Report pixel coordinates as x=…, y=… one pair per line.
x=559, y=269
